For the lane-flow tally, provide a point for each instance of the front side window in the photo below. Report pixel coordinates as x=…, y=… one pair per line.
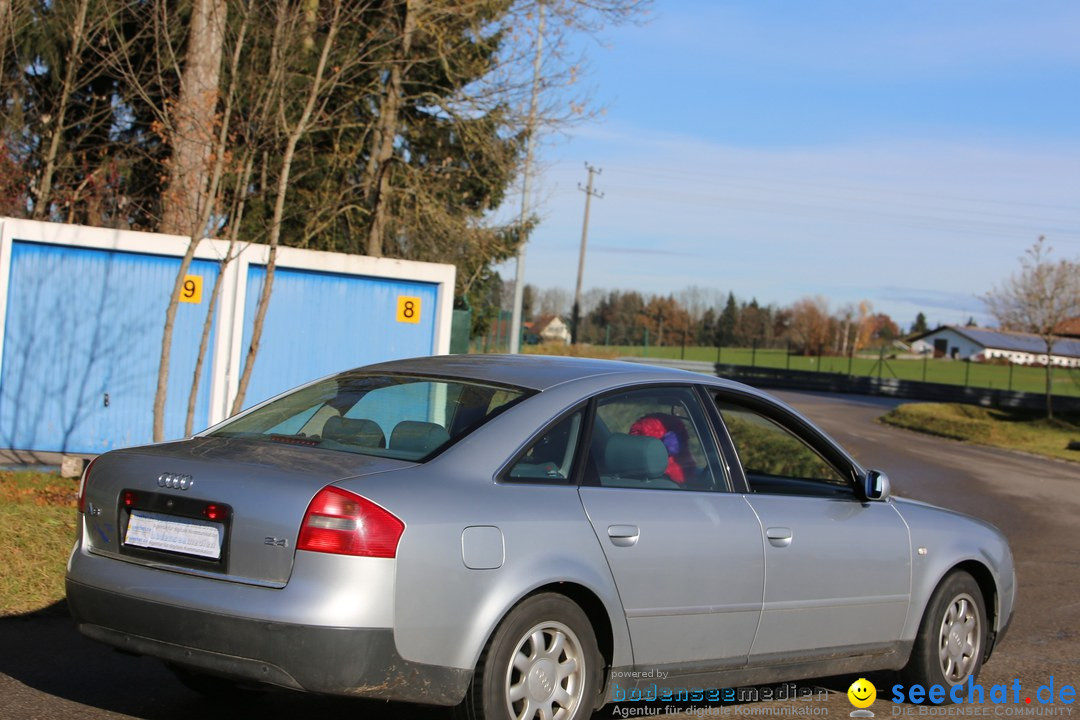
x=775, y=459
x=654, y=438
x=410, y=418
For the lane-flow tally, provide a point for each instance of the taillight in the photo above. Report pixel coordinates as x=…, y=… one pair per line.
x=341, y=522
x=82, y=485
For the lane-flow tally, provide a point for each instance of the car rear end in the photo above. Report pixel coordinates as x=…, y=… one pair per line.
x=244, y=560
x=240, y=553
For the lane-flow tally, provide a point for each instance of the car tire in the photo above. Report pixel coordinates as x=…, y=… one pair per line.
x=542, y=657
x=952, y=636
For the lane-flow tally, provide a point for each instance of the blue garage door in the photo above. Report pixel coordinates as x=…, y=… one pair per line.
x=320, y=323
x=82, y=343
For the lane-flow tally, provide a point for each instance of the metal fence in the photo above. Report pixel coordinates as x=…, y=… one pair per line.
x=779, y=378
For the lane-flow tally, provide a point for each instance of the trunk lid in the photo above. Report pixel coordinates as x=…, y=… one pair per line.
x=227, y=507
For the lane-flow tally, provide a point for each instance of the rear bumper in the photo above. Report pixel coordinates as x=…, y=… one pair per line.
x=360, y=662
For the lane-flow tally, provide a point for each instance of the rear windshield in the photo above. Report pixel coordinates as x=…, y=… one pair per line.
x=411, y=418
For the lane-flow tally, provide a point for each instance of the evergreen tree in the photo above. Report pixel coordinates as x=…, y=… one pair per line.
x=919, y=326
x=725, y=326
x=706, y=334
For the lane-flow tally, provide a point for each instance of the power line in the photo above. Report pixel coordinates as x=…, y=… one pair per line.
x=770, y=183
x=940, y=215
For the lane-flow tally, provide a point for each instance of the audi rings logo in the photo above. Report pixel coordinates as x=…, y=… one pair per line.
x=175, y=481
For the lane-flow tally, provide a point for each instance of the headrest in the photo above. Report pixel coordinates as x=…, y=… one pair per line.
x=418, y=437
x=635, y=456
x=359, y=431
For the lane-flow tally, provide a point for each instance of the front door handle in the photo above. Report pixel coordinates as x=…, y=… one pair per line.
x=779, y=536
x=623, y=535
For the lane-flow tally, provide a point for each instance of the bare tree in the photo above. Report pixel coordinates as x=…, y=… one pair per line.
x=79, y=24
x=292, y=130
x=844, y=316
x=1037, y=299
x=237, y=214
x=865, y=328
x=697, y=300
x=553, y=301
x=5, y=22
x=13, y=187
x=193, y=119
x=591, y=300
x=402, y=18
x=810, y=323
x=78, y=31
x=196, y=169
x=10, y=24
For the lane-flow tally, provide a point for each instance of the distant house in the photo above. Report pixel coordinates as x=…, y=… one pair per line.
x=1068, y=328
x=980, y=344
x=548, y=328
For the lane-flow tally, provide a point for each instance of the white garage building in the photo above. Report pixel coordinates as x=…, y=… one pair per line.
x=980, y=344
x=82, y=314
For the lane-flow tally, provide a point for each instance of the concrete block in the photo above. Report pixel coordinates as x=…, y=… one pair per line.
x=72, y=466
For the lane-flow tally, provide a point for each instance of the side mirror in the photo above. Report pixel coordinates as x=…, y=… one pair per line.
x=875, y=485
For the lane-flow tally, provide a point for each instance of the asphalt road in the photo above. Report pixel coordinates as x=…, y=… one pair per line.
x=47, y=670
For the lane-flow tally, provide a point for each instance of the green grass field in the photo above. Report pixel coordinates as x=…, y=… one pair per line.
x=996, y=377
x=37, y=530
x=1012, y=430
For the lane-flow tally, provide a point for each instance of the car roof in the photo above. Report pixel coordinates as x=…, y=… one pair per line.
x=536, y=372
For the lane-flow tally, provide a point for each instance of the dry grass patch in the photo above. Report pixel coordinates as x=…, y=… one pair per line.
x=37, y=531
x=1010, y=429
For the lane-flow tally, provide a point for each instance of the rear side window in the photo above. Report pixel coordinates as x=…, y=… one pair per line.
x=410, y=418
x=551, y=458
x=653, y=438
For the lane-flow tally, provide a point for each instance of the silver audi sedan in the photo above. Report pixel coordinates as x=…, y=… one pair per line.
x=526, y=537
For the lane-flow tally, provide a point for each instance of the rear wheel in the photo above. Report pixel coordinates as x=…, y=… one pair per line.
x=542, y=662
x=949, y=647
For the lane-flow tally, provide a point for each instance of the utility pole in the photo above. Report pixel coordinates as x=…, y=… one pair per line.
x=589, y=195
x=519, y=275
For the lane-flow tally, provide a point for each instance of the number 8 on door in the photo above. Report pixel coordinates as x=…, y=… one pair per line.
x=408, y=309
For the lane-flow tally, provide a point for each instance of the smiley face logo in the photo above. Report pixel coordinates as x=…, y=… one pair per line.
x=862, y=693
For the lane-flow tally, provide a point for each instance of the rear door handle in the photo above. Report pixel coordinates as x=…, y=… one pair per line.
x=623, y=535
x=779, y=536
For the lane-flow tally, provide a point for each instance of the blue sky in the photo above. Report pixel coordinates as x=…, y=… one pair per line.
x=903, y=152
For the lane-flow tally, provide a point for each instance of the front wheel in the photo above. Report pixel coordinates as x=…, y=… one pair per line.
x=542, y=662
x=949, y=647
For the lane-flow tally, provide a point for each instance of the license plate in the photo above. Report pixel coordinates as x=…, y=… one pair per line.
x=176, y=534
